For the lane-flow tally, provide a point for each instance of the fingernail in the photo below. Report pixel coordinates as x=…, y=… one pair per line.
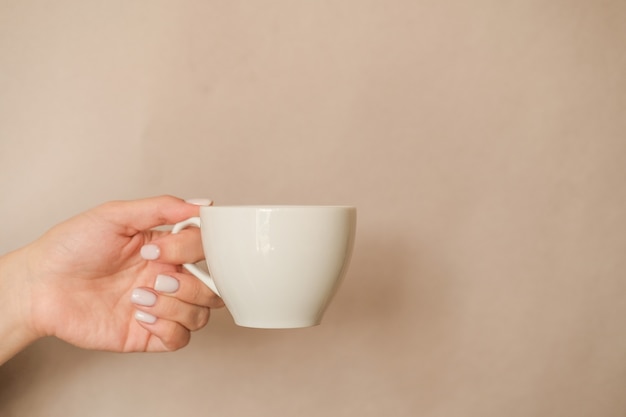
x=150, y=252
x=165, y=283
x=143, y=297
x=199, y=201
x=145, y=317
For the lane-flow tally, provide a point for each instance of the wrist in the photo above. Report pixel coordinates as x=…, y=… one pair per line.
x=16, y=328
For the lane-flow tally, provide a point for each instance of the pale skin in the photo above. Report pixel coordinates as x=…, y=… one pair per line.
x=88, y=281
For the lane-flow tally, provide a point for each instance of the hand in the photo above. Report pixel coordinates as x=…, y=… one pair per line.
x=86, y=282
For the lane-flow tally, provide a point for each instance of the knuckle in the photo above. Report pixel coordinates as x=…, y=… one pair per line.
x=201, y=318
x=216, y=301
x=183, y=247
x=176, y=340
x=198, y=292
x=109, y=207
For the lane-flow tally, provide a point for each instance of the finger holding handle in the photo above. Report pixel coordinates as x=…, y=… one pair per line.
x=193, y=268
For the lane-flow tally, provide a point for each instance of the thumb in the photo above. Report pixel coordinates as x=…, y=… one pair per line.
x=144, y=214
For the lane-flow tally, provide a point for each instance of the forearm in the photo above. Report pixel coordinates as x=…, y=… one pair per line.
x=15, y=328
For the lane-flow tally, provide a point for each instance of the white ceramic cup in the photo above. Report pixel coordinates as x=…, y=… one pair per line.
x=274, y=266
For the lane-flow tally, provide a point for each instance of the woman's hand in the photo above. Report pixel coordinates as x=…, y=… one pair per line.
x=107, y=280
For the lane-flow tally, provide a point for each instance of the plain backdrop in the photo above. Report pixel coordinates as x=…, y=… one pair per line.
x=483, y=143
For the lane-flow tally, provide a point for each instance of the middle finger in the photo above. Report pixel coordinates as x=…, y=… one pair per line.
x=187, y=288
x=161, y=306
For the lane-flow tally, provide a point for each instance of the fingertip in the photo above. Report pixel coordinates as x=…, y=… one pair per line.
x=144, y=317
x=200, y=201
x=166, y=284
x=150, y=252
x=175, y=249
x=217, y=302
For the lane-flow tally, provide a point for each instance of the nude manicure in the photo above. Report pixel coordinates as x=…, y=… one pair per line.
x=150, y=252
x=145, y=317
x=199, y=201
x=165, y=283
x=143, y=297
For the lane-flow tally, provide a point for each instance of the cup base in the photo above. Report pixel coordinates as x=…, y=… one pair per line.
x=276, y=325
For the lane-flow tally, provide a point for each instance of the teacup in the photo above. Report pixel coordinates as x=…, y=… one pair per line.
x=274, y=266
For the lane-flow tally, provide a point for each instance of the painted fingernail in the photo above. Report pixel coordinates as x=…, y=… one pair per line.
x=143, y=297
x=145, y=317
x=150, y=252
x=199, y=201
x=165, y=283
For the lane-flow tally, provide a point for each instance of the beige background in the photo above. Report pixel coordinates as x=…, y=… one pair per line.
x=483, y=143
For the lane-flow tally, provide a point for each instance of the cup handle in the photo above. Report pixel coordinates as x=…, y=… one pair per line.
x=197, y=272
